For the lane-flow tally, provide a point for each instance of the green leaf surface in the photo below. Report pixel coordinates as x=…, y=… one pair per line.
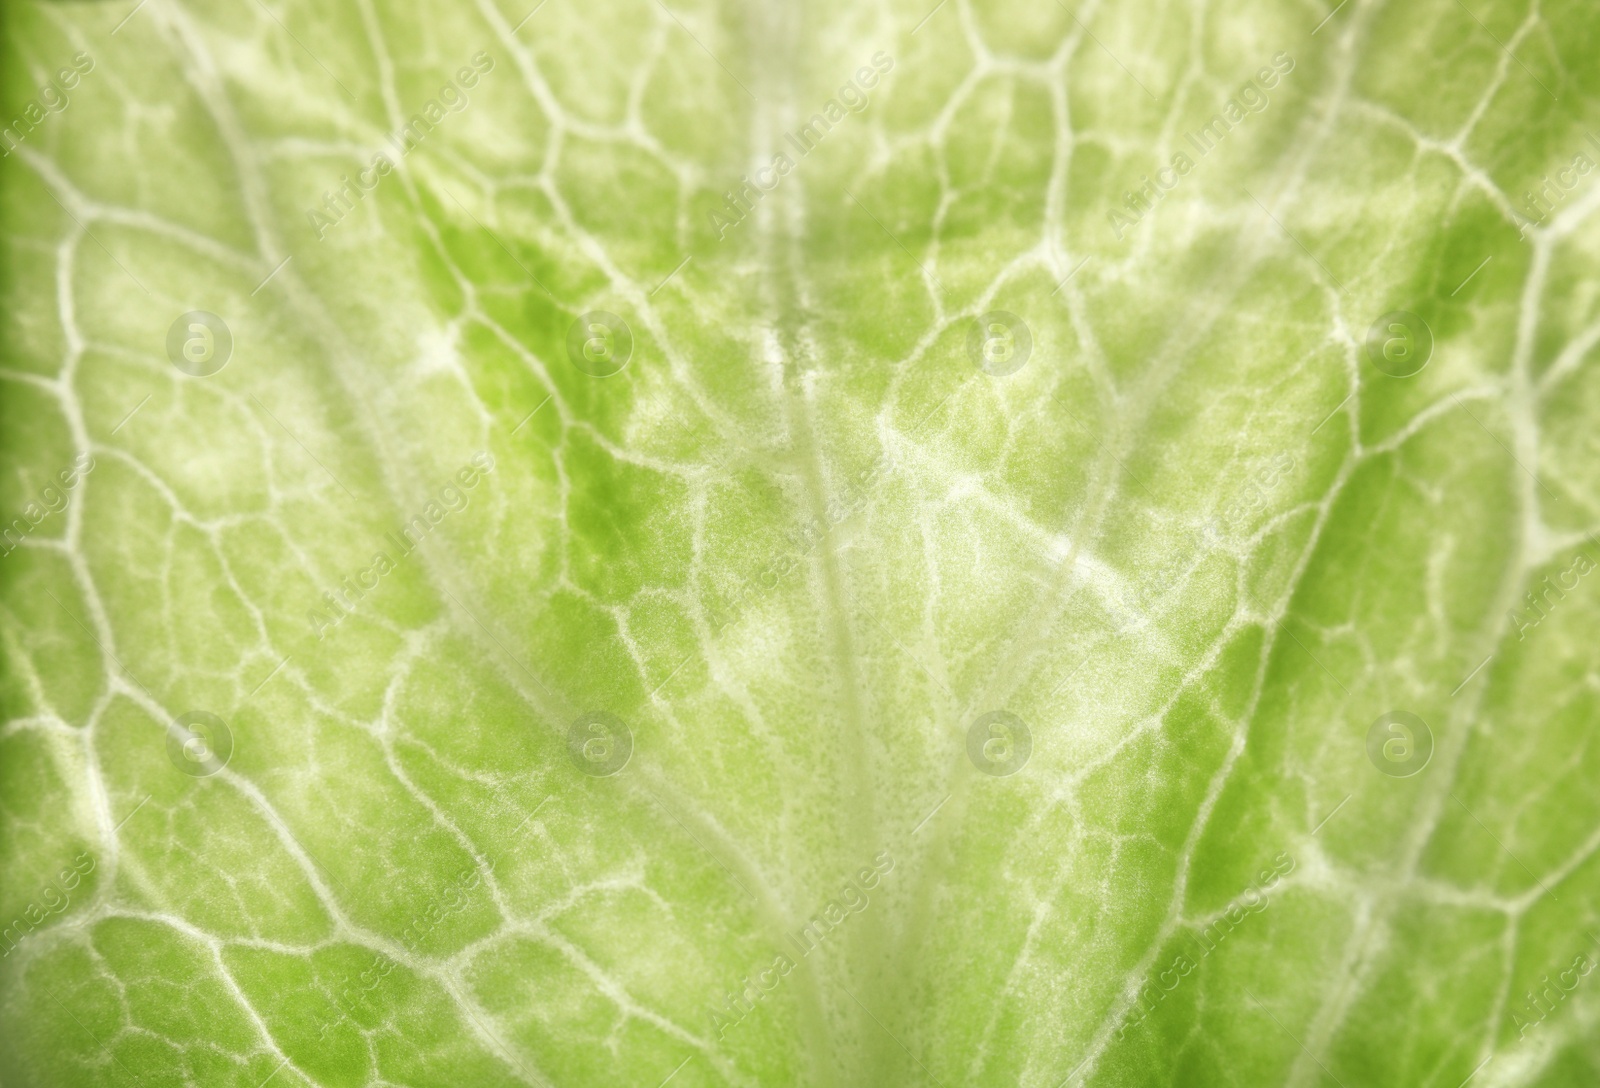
x=739, y=543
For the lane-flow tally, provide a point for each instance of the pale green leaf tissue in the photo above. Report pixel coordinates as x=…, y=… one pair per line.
x=734, y=543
